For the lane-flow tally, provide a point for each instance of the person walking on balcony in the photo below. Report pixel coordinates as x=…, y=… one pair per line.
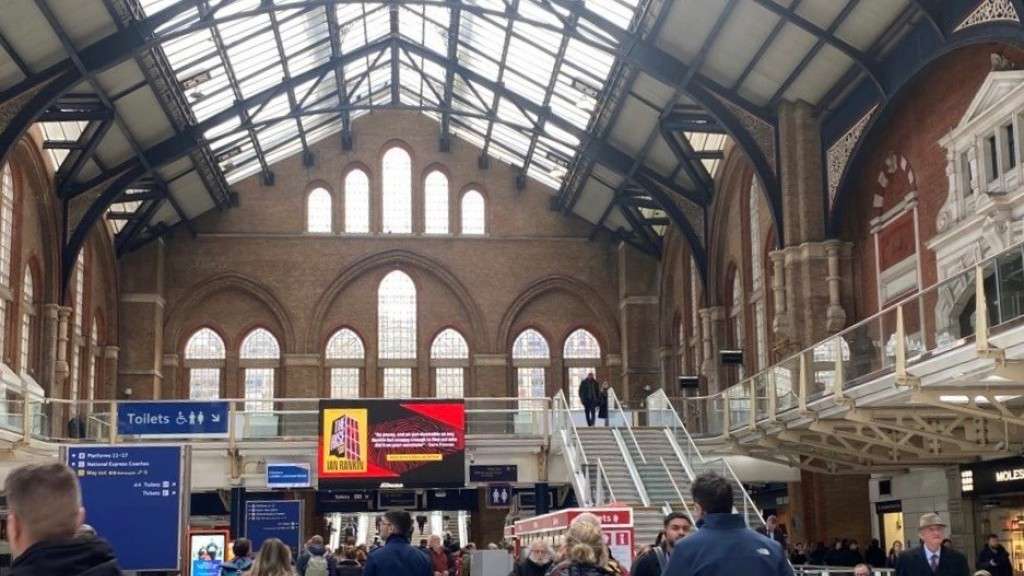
x=931, y=558
x=724, y=546
x=994, y=559
x=590, y=395
x=653, y=563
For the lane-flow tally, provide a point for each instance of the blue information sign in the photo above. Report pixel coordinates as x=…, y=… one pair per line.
x=499, y=495
x=141, y=482
x=288, y=475
x=209, y=419
x=281, y=519
x=493, y=473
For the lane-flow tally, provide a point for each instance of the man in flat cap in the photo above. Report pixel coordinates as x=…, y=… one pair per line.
x=931, y=559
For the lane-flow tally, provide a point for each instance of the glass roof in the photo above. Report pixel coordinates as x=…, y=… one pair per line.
x=395, y=54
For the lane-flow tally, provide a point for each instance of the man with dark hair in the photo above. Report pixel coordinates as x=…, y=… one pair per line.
x=653, y=563
x=315, y=561
x=590, y=395
x=994, y=559
x=397, y=557
x=242, y=549
x=724, y=546
x=44, y=514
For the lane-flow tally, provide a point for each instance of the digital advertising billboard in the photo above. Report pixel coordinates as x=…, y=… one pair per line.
x=391, y=443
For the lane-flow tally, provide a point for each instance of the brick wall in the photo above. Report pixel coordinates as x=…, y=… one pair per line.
x=924, y=112
x=254, y=266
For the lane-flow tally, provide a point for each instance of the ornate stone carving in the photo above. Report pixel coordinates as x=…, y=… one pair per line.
x=762, y=132
x=990, y=11
x=839, y=154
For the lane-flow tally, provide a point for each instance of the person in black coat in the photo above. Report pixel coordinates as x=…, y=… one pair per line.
x=817, y=555
x=590, y=395
x=852, y=555
x=994, y=558
x=836, y=555
x=602, y=403
x=874, y=555
x=931, y=558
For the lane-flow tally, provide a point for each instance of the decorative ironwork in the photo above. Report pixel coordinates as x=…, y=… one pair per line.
x=990, y=11
x=839, y=154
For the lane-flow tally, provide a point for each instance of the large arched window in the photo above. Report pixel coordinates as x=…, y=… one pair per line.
x=6, y=242
x=204, y=361
x=396, y=202
x=736, y=319
x=258, y=360
x=28, y=323
x=91, y=372
x=346, y=357
x=449, y=358
x=473, y=214
x=530, y=359
x=435, y=203
x=396, y=333
x=318, y=211
x=582, y=355
x=76, y=342
x=357, y=202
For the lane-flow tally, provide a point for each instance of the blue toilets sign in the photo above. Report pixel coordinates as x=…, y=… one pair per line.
x=167, y=419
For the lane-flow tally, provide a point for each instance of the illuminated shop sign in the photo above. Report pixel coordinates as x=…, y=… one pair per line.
x=992, y=477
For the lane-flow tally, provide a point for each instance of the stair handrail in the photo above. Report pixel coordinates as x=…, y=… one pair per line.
x=613, y=399
x=602, y=476
x=560, y=405
x=675, y=486
x=659, y=395
x=634, y=473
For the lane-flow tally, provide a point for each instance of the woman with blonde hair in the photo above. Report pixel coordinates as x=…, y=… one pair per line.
x=584, y=552
x=274, y=559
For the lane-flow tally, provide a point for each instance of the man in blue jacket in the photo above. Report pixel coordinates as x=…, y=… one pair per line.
x=397, y=557
x=724, y=546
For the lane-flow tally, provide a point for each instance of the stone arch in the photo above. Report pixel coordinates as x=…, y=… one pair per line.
x=175, y=319
x=735, y=173
x=37, y=184
x=608, y=326
x=398, y=259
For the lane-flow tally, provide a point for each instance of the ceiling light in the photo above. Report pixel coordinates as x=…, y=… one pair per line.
x=196, y=80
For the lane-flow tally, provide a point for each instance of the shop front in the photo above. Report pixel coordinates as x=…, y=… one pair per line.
x=996, y=488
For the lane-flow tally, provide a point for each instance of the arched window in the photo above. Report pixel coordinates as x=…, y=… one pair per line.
x=396, y=203
x=77, y=343
x=736, y=318
x=473, y=217
x=258, y=360
x=396, y=333
x=318, y=212
x=346, y=357
x=28, y=323
x=90, y=376
x=435, y=203
x=449, y=357
x=357, y=202
x=582, y=355
x=204, y=360
x=530, y=358
x=6, y=242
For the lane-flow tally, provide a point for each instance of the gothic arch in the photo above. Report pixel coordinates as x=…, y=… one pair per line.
x=37, y=185
x=735, y=174
x=608, y=326
x=175, y=319
x=400, y=259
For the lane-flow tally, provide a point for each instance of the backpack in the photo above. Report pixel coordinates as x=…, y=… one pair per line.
x=662, y=558
x=317, y=566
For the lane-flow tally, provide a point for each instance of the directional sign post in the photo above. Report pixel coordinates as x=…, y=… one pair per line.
x=499, y=495
x=281, y=519
x=173, y=419
x=142, y=482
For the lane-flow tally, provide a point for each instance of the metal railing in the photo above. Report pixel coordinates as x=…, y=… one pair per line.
x=916, y=328
x=603, y=485
x=806, y=570
x=295, y=419
x=615, y=405
x=675, y=487
x=564, y=428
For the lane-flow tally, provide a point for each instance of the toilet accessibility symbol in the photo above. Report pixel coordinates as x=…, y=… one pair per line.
x=499, y=495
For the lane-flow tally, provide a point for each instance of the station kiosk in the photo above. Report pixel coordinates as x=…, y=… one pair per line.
x=616, y=525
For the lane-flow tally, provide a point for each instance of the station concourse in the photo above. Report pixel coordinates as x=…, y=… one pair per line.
x=312, y=270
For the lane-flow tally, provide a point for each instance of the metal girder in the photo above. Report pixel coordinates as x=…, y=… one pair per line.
x=861, y=59
x=455, y=21
x=756, y=59
x=932, y=11
x=690, y=161
x=812, y=53
x=339, y=72
x=512, y=10
x=75, y=161
x=307, y=156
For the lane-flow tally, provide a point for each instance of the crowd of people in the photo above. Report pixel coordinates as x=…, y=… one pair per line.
x=47, y=536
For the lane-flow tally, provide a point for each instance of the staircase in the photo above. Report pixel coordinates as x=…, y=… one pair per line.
x=601, y=443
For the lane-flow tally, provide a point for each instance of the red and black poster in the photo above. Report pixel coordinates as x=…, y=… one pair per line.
x=391, y=443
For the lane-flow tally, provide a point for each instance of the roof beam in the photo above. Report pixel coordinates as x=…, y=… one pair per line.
x=512, y=10
x=932, y=11
x=72, y=165
x=454, y=22
x=395, y=85
x=763, y=48
x=812, y=53
x=18, y=61
x=339, y=72
x=307, y=156
x=861, y=59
